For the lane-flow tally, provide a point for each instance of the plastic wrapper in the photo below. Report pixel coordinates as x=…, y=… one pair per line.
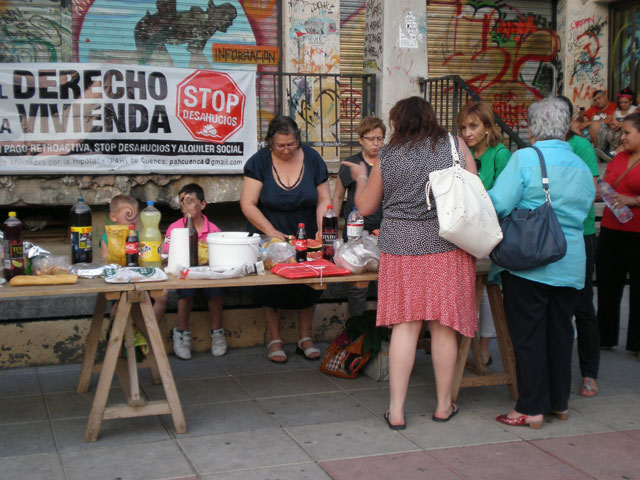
x=31, y=250
x=358, y=256
x=278, y=252
x=134, y=274
x=50, y=265
x=116, y=238
x=215, y=273
x=91, y=270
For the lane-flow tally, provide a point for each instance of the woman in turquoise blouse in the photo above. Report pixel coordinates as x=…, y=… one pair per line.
x=539, y=303
x=477, y=126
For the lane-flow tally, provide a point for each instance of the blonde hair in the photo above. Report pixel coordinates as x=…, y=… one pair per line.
x=485, y=113
x=120, y=202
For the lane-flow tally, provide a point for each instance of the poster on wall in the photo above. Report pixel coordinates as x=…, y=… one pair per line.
x=90, y=118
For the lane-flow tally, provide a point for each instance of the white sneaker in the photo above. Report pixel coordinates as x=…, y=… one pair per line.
x=182, y=344
x=218, y=343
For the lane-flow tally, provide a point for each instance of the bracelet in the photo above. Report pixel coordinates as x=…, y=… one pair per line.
x=362, y=175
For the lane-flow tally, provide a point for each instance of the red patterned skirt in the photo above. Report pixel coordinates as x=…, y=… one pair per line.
x=438, y=286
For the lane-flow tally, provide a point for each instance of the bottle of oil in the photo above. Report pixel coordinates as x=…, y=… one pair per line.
x=150, y=237
x=13, y=251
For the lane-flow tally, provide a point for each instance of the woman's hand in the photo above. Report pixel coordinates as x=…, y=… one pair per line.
x=621, y=200
x=356, y=169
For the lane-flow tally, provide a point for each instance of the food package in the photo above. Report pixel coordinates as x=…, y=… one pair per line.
x=279, y=252
x=359, y=256
x=216, y=273
x=116, y=239
x=134, y=274
x=203, y=254
x=91, y=270
x=50, y=265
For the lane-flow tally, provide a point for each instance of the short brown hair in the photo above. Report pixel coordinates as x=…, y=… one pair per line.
x=485, y=113
x=120, y=201
x=371, y=123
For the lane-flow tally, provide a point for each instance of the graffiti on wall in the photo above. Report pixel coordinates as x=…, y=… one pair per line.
x=373, y=36
x=316, y=50
x=507, y=56
x=587, y=72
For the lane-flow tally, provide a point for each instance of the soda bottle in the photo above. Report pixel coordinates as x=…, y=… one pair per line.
x=150, y=237
x=81, y=233
x=131, y=247
x=193, y=242
x=355, y=225
x=301, y=244
x=329, y=233
x=623, y=213
x=13, y=251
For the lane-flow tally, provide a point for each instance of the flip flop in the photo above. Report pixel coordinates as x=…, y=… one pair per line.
x=277, y=353
x=454, y=411
x=400, y=426
x=307, y=351
x=589, y=389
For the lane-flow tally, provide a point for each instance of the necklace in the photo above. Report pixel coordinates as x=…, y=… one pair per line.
x=284, y=185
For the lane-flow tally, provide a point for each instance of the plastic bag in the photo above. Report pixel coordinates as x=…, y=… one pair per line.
x=50, y=264
x=279, y=252
x=134, y=274
x=208, y=272
x=358, y=256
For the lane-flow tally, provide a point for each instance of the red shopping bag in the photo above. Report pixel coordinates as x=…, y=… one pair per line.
x=312, y=269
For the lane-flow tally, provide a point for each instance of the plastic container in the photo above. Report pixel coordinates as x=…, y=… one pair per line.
x=329, y=233
x=150, y=237
x=81, y=233
x=230, y=249
x=355, y=225
x=13, y=247
x=622, y=213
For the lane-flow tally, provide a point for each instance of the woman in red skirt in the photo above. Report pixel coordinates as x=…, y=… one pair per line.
x=422, y=277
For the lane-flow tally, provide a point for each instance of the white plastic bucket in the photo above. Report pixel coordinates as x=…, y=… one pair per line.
x=230, y=249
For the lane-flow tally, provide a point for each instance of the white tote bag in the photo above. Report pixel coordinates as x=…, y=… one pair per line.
x=465, y=212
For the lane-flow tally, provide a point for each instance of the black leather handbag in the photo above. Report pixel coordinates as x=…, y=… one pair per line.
x=531, y=238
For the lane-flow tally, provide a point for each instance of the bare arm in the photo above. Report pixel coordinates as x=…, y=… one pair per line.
x=338, y=196
x=324, y=200
x=249, y=196
x=368, y=189
x=468, y=156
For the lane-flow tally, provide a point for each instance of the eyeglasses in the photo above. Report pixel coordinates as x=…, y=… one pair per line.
x=374, y=139
x=282, y=146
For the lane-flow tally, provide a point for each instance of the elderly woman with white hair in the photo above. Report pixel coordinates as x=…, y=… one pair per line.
x=539, y=302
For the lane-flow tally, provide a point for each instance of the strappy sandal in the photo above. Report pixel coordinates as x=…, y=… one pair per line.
x=589, y=388
x=307, y=352
x=277, y=353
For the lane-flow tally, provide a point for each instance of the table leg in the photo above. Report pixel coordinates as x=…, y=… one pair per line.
x=108, y=367
x=463, y=352
x=504, y=340
x=149, y=360
x=157, y=346
x=134, y=386
x=92, y=343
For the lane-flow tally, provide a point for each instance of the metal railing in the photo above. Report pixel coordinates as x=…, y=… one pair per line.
x=326, y=107
x=449, y=94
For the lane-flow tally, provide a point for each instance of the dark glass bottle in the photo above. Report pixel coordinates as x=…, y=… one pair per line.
x=81, y=233
x=300, y=243
x=193, y=242
x=329, y=233
x=13, y=248
x=131, y=247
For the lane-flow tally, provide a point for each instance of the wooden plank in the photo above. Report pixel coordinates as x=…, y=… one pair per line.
x=496, y=378
x=122, y=410
x=149, y=359
x=134, y=387
x=92, y=343
x=84, y=286
x=504, y=340
x=463, y=352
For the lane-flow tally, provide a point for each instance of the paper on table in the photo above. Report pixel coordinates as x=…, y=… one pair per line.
x=178, y=250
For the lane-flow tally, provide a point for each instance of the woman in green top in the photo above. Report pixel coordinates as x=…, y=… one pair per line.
x=476, y=125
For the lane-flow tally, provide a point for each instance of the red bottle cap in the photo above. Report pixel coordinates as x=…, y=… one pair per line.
x=131, y=226
x=301, y=225
x=329, y=207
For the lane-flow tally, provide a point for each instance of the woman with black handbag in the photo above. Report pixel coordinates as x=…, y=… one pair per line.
x=539, y=301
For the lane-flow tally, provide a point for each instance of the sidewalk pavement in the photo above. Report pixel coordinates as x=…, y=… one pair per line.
x=251, y=419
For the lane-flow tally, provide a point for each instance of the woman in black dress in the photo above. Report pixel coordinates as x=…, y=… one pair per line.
x=285, y=183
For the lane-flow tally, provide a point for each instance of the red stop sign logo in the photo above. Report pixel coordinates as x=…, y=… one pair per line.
x=210, y=105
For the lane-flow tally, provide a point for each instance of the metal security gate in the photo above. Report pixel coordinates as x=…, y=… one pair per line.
x=625, y=47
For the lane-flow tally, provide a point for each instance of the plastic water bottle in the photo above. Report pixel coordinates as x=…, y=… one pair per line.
x=81, y=233
x=13, y=247
x=150, y=237
x=623, y=213
x=329, y=233
x=355, y=225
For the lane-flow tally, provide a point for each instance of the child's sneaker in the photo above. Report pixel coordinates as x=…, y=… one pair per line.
x=218, y=343
x=182, y=344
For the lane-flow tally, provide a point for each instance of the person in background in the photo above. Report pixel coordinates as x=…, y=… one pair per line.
x=626, y=106
x=371, y=132
x=599, y=114
x=123, y=210
x=191, y=198
x=618, y=243
x=285, y=183
x=422, y=276
x=585, y=313
x=478, y=128
x=539, y=302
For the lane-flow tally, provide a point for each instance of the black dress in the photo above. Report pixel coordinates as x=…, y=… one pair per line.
x=285, y=209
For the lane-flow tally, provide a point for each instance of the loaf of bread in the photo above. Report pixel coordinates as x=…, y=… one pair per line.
x=61, y=279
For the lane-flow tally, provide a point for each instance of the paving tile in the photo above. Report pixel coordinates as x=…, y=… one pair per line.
x=361, y=382
x=491, y=400
x=26, y=439
x=32, y=467
x=67, y=381
x=285, y=383
x=157, y=460
x=14, y=384
x=618, y=412
x=237, y=362
x=122, y=431
x=74, y=405
x=314, y=409
x=506, y=461
x=218, y=418
x=205, y=390
x=68, y=367
x=370, y=436
x=466, y=428
x=29, y=408
x=408, y=466
x=600, y=449
x=420, y=399
x=633, y=434
x=243, y=450
x=200, y=366
x=304, y=471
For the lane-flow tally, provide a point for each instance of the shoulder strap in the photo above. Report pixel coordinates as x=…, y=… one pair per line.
x=545, y=178
x=615, y=184
x=454, y=150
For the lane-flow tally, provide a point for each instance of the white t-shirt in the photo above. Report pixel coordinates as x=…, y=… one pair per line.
x=619, y=116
